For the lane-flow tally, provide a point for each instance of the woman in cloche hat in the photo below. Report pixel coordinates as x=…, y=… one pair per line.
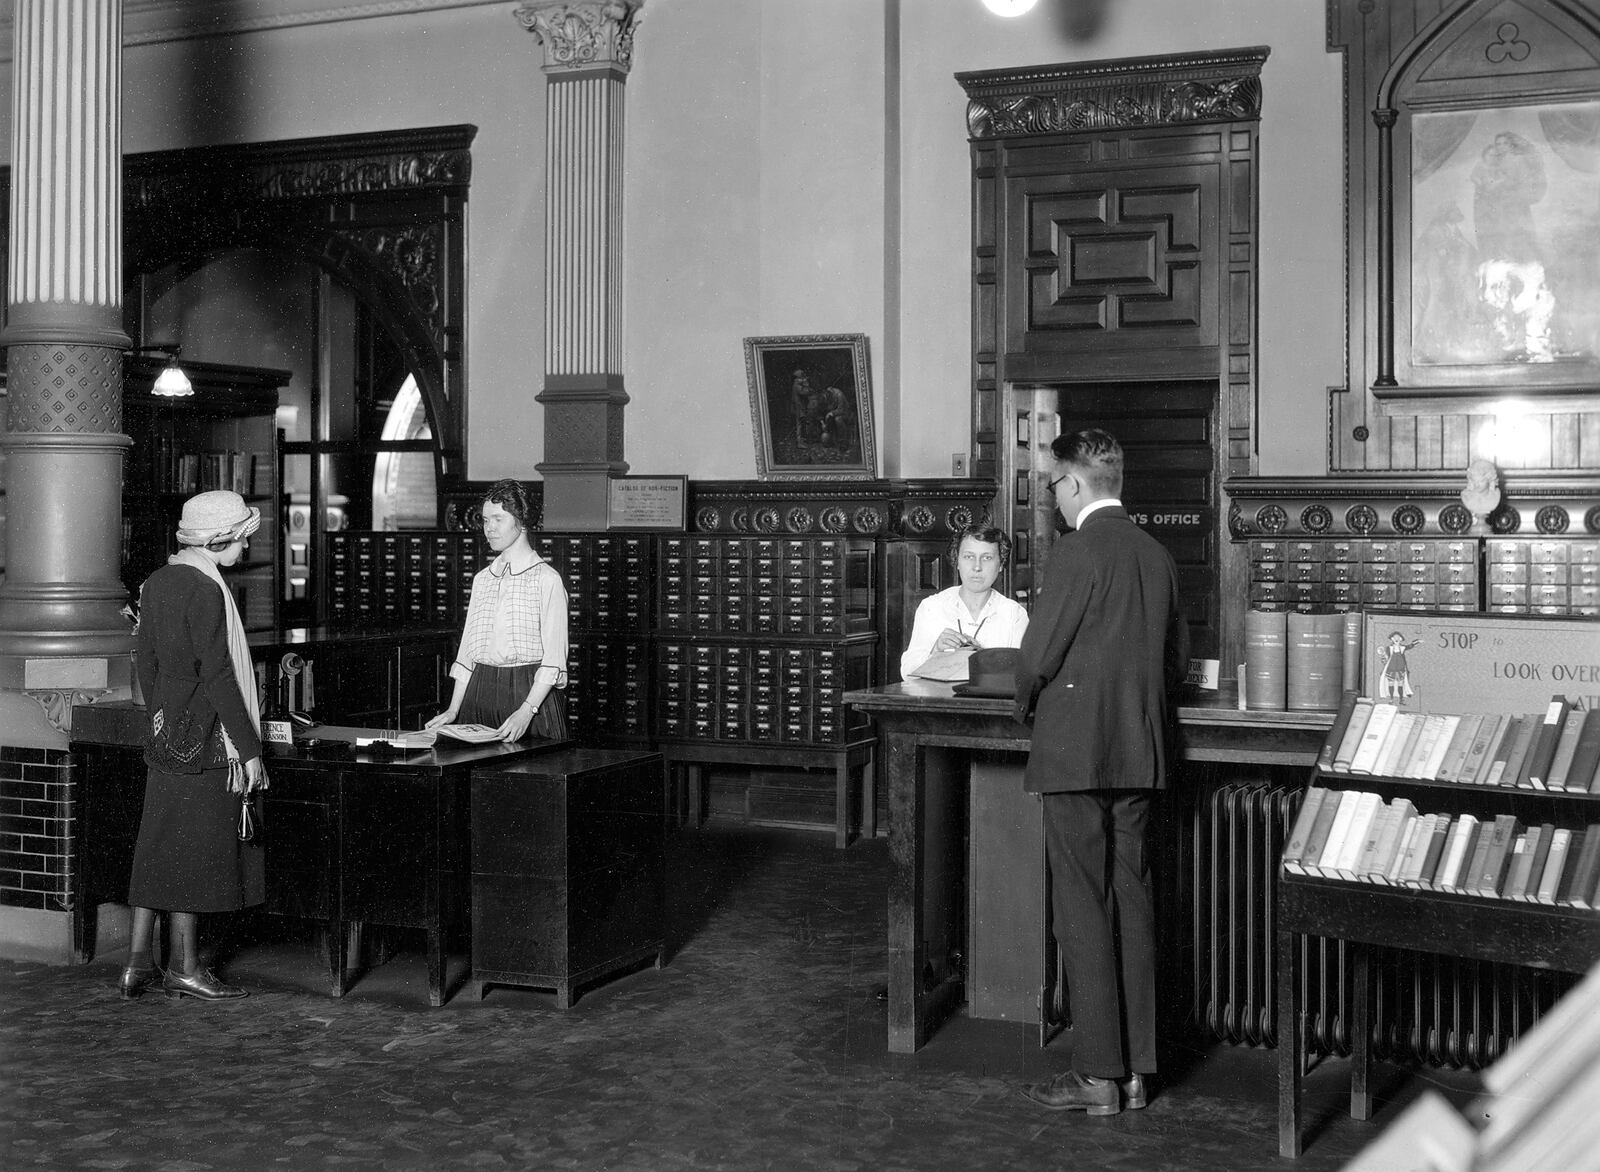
x=203, y=752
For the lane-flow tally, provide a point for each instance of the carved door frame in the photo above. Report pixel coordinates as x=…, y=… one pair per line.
x=1131, y=112
x=384, y=213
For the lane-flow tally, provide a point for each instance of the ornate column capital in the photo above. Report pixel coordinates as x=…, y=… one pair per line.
x=584, y=35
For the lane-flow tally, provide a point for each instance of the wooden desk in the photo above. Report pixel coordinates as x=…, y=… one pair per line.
x=361, y=838
x=928, y=737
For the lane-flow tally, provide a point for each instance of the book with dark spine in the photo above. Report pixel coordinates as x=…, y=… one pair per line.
x=1517, y=873
x=1517, y=758
x=1467, y=884
x=1543, y=751
x=1502, y=751
x=1540, y=850
x=1351, y=668
x=1554, y=863
x=1569, y=868
x=1341, y=722
x=1428, y=872
x=1587, y=870
x=1584, y=772
x=1416, y=851
x=1566, y=750
x=1491, y=874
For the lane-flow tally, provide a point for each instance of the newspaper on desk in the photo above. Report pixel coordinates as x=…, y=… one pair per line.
x=472, y=734
x=948, y=667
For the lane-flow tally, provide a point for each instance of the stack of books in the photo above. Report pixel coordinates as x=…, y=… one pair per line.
x=1557, y=749
x=1360, y=837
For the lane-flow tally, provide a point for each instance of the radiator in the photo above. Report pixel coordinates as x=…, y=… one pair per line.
x=1427, y=1009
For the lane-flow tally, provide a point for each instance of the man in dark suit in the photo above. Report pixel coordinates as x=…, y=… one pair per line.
x=1104, y=648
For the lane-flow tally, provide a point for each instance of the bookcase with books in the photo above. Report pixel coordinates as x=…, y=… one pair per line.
x=1465, y=834
x=225, y=435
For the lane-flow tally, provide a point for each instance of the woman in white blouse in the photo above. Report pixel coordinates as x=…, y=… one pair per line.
x=973, y=613
x=511, y=671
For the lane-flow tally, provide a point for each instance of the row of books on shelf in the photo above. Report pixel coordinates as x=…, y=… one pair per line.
x=246, y=473
x=1357, y=836
x=1557, y=749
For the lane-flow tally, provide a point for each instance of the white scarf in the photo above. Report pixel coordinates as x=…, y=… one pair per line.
x=238, y=651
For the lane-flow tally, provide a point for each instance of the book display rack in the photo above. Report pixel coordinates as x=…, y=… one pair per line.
x=1463, y=835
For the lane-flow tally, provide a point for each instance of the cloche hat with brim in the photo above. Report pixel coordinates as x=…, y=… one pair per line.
x=217, y=516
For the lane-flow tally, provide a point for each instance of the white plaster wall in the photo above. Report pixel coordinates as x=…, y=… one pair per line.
x=1302, y=266
x=475, y=65
x=755, y=194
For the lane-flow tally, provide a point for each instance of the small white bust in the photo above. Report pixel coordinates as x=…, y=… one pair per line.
x=1482, y=493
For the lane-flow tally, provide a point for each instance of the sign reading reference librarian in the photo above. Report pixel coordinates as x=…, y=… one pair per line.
x=647, y=502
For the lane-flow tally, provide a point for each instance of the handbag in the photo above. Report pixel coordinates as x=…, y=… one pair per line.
x=249, y=818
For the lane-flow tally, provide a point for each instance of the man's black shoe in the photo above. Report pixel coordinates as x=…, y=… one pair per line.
x=1077, y=1092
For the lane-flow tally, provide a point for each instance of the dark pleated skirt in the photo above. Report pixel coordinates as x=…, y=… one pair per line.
x=189, y=857
x=494, y=693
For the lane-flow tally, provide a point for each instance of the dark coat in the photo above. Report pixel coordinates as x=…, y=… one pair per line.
x=182, y=655
x=1105, y=646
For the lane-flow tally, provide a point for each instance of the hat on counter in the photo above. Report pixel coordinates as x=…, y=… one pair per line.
x=217, y=516
x=991, y=671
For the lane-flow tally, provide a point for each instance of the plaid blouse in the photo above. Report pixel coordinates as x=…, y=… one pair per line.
x=515, y=617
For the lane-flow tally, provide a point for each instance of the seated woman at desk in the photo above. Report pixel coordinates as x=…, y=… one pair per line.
x=971, y=614
x=511, y=671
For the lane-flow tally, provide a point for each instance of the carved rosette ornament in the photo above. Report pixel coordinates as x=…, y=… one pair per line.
x=575, y=36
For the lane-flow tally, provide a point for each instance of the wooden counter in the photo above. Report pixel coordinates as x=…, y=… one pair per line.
x=929, y=739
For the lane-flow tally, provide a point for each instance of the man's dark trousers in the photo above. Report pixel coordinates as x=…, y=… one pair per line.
x=1096, y=900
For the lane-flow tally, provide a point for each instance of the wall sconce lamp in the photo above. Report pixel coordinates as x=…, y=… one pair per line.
x=171, y=383
x=1009, y=7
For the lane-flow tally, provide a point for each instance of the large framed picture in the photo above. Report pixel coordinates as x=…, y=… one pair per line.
x=811, y=405
x=1504, y=229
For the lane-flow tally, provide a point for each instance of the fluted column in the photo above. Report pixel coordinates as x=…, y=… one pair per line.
x=588, y=51
x=63, y=443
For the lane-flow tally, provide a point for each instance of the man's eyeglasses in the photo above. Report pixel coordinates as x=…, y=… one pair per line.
x=1050, y=485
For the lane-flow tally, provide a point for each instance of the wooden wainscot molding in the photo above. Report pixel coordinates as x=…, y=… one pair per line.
x=1417, y=506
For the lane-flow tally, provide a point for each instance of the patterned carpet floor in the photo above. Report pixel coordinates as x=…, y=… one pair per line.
x=760, y=1045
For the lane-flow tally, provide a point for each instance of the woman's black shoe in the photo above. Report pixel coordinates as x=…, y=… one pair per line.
x=201, y=984
x=136, y=980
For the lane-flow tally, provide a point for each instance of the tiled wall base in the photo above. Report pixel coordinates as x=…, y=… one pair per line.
x=45, y=937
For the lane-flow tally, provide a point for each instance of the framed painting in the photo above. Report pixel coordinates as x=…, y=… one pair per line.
x=811, y=406
x=1505, y=244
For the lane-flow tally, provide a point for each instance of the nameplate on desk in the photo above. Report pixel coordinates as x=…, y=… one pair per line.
x=1204, y=673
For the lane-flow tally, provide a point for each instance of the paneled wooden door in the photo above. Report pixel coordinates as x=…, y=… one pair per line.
x=1171, y=484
